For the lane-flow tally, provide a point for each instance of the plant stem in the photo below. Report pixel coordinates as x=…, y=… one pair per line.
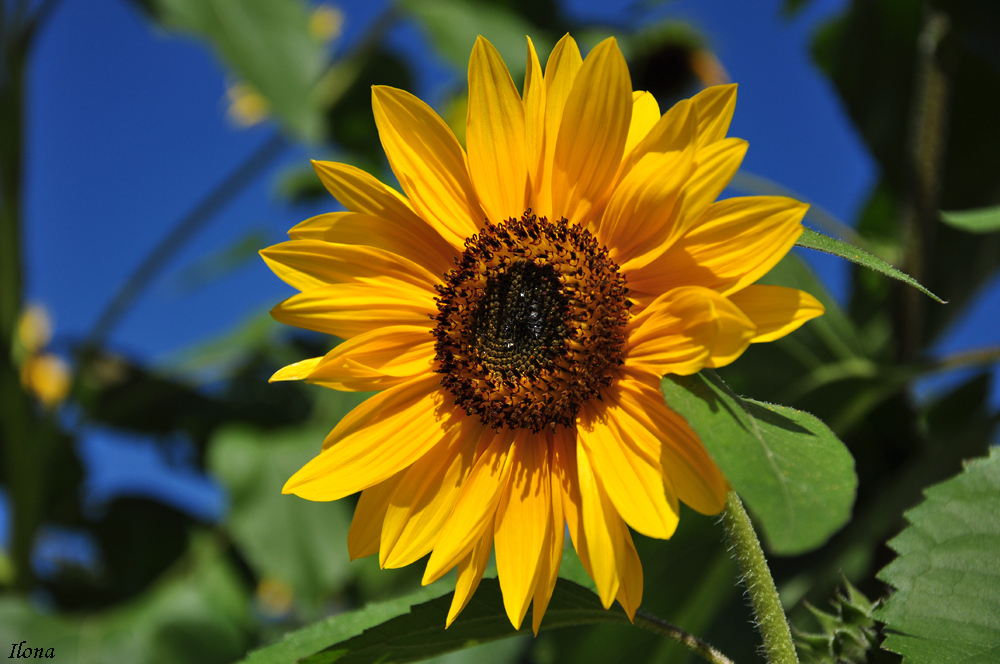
x=926, y=138
x=771, y=621
x=706, y=651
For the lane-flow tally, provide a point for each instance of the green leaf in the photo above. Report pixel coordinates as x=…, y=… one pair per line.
x=791, y=471
x=313, y=638
x=947, y=577
x=386, y=632
x=810, y=239
x=298, y=542
x=268, y=43
x=454, y=25
x=982, y=220
x=222, y=263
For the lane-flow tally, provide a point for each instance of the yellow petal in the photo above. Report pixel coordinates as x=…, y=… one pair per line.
x=565, y=473
x=642, y=213
x=366, y=526
x=347, y=310
x=633, y=480
x=534, y=116
x=675, y=130
x=412, y=239
x=605, y=546
x=296, y=371
x=374, y=360
x=524, y=517
x=627, y=570
x=470, y=573
x=308, y=264
x=630, y=571
x=592, y=134
x=495, y=136
x=360, y=192
x=714, y=106
x=690, y=470
x=686, y=329
x=552, y=551
x=735, y=242
x=424, y=498
x=428, y=162
x=776, y=311
x=376, y=440
x=645, y=115
x=560, y=71
x=715, y=166
x=475, y=507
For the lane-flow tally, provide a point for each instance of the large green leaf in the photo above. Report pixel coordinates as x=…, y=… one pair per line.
x=791, y=471
x=947, y=577
x=810, y=239
x=267, y=42
x=315, y=637
x=387, y=632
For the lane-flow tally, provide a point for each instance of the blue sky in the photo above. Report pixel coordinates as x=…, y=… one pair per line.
x=127, y=132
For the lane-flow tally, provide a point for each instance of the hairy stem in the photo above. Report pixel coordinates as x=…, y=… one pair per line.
x=771, y=621
x=706, y=651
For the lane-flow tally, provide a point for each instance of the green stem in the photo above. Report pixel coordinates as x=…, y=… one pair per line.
x=771, y=621
x=706, y=651
x=22, y=457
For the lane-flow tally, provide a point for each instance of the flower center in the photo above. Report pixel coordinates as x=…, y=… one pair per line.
x=530, y=323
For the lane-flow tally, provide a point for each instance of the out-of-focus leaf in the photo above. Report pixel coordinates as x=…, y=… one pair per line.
x=810, y=239
x=223, y=262
x=505, y=651
x=197, y=612
x=267, y=43
x=789, y=8
x=983, y=220
x=116, y=392
x=219, y=358
x=139, y=538
x=453, y=26
x=386, y=632
x=947, y=577
x=792, y=472
x=349, y=119
x=299, y=543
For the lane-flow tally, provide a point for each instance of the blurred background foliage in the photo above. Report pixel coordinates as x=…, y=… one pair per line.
x=134, y=579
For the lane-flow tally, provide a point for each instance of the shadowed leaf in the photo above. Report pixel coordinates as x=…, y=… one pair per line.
x=791, y=471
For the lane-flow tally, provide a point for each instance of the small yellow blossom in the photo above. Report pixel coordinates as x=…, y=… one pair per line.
x=326, y=23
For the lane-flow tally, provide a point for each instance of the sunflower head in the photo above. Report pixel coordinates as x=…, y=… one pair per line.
x=516, y=307
x=531, y=323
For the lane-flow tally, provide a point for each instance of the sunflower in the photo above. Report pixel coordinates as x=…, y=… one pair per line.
x=516, y=310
